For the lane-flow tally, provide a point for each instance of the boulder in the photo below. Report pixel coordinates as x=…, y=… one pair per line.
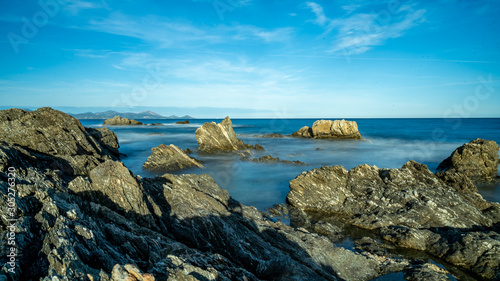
x=55, y=133
x=213, y=137
x=331, y=129
x=120, y=121
x=477, y=160
x=182, y=122
x=166, y=158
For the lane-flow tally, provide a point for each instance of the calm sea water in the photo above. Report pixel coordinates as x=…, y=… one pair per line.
x=387, y=143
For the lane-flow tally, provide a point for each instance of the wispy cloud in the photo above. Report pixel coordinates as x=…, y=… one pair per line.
x=74, y=7
x=358, y=33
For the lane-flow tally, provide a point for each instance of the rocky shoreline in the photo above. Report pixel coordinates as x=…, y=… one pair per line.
x=82, y=215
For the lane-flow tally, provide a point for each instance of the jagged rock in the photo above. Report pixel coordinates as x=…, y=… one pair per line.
x=119, y=121
x=270, y=159
x=129, y=273
x=213, y=137
x=56, y=133
x=169, y=158
x=477, y=159
x=336, y=129
x=182, y=122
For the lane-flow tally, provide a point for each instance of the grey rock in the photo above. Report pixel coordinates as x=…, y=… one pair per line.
x=121, y=121
x=213, y=137
x=477, y=159
x=304, y=132
x=169, y=158
x=270, y=159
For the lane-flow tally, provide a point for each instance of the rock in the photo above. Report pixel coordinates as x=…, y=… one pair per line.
x=221, y=137
x=129, y=273
x=155, y=124
x=477, y=160
x=169, y=158
x=182, y=122
x=270, y=159
x=119, y=121
x=56, y=133
x=411, y=207
x=273, y=135
x=336, y=129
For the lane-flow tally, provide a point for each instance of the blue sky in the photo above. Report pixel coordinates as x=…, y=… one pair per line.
x=269, y=58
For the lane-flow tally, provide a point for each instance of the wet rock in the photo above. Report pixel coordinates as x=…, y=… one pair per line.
x=56, y=133
x=156, y=124
x=274, y=135
x=270, y=159
x=166, y=158
x=121, y=121
x=477, y=160
x=336, y=129
x=182, y=122
x=213, y=137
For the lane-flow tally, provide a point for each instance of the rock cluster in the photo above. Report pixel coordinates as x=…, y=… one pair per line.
x=182, y=122
x=120, y=121
x=440, y=214
x=331, y=129
x=166, y=158
x=57, y=134
x=477, y=160
x=213, y=137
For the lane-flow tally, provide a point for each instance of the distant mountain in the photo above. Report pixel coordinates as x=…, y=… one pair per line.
x=129, y=115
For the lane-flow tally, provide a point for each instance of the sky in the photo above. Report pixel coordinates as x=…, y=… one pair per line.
x=254, y=58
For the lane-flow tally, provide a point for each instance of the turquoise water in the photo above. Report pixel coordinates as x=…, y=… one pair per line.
x=387, y=143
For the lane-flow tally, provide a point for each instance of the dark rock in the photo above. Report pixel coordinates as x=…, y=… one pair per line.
x=336, y=129
x=274, y=135
x=155, y=124
x=477, y=159
x=221, y=137
x=55, y=133
x=169, y=158
x=182, y=122
x=270, y=159
x=121, y=121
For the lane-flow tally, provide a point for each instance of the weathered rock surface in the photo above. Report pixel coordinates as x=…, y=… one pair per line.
x=213, y=137
x=336, y=129
x=270, y=159
x=120, y=121
x=477, y=160
x=410, y=207
x=56, y=133
x=182, y=122
x=166, y=158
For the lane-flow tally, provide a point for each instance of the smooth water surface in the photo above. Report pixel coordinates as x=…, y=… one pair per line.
x=387, y=143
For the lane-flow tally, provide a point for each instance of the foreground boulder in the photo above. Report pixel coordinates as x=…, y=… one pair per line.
x=213, y=137
x=118, y=121
x=436, y=217
x=166, y=158
x=336, y=129
x=477, y=160
x=55, y=133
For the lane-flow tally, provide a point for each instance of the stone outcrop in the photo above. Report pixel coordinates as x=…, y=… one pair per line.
x=411, y=207
x=271, y=159
x=121, y=121
x=477, y=160
x=330, y=129
x=166, y=158
x=182, y=122
x=56, y=133
x=213, y=137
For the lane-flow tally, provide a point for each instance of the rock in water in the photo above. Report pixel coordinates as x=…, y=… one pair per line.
x=117, y=121
x=169, y=158
x=336, y=129
x=56, y=133
x=213, y=137
x=477, y=160
x=182, y=122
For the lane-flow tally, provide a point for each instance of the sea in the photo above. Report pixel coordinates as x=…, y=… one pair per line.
x=386, y=143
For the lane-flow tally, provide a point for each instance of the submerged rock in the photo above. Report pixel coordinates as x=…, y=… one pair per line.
x=58, y=134
x=477, y=160
x=213, y=137
x=182, y=122
x=117, y=121
x=270, y=159
x=169, y=158
x=332, y=129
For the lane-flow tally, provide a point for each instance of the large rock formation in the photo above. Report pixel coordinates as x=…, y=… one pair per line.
x=56, y=133
x=336, y=129
x=119, y=121
x=477, y=160
x=213, y=137
x=410, y=206
x=166, y=158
